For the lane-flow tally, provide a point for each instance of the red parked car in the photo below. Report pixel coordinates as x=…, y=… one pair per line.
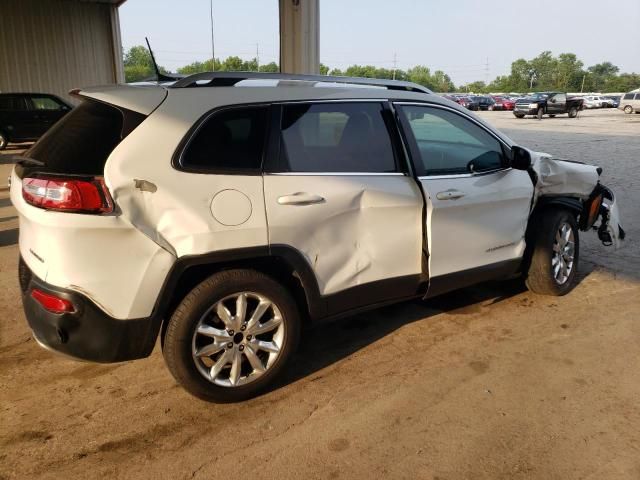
x=503, y=103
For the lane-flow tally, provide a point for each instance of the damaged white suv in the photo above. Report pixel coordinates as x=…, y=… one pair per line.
x=223, y=213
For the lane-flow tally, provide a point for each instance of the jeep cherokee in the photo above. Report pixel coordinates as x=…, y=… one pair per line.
x=222, y=213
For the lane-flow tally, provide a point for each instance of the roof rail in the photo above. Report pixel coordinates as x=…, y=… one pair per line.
x=228, y=79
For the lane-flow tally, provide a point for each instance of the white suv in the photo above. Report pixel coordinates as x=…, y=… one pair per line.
x=225, y=212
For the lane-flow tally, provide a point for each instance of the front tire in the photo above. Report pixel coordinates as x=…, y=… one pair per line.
x=555, y=253
x=231, y=336
x=519, y=115
x=540, y=113
x=4, y=140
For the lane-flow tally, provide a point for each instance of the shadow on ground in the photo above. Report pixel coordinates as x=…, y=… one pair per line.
x=331, y=341
x=8, y=237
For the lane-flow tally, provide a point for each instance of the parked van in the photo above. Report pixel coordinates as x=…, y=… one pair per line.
x=630, y=102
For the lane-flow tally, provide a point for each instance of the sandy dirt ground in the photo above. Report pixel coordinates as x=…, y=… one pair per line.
x=490, y=382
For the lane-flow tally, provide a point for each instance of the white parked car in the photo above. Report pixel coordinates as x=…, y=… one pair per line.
x=227, y=211
x=593, y=101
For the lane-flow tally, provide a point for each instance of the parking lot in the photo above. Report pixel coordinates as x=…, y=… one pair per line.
x=490, y=382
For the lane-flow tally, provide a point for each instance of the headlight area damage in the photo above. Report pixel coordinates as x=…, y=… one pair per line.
x=576, y=180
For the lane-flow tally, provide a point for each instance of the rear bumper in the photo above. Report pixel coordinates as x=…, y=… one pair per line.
x=88, y=333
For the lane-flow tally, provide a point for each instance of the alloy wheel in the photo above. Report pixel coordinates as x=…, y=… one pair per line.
x=563, y=253
x=238, y=339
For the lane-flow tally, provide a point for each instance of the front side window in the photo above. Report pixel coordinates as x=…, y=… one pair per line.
x=46, y=103
x=335, y=137
x=560, y=98
x=229, y=140
x=446, y=143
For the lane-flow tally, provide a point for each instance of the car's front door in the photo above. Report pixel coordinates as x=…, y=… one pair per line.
x=337, y=193
x=477, y=207
x=557, y=103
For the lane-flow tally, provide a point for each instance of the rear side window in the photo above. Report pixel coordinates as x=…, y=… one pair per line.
x=230, y=140
x=335, y=137
x=83, y=139
x=628, y=96
x=12, y=102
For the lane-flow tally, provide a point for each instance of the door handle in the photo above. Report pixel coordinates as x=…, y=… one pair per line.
x=300, y=198
x=450, y=194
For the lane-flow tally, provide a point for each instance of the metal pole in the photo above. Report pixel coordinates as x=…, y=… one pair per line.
x=213, y=55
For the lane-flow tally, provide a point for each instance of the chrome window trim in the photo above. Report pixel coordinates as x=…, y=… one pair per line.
x=338, y=174
x=330, y=100
x=464, y=115
x=464, y=175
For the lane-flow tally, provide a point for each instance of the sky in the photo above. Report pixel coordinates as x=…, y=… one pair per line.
x=468, y=39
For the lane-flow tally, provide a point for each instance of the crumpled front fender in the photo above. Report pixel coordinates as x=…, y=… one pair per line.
x=579, y=182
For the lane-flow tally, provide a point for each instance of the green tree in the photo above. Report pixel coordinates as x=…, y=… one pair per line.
x=138, y=65
x=569, y=73
x=271, y=67
x=421, y=75
x=601, y=76
x=476, y=87
x=324, y=70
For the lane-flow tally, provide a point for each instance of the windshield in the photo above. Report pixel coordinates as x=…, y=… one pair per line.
x=540, y=96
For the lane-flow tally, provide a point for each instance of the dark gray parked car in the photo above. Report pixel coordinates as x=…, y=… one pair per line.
x=25, y=117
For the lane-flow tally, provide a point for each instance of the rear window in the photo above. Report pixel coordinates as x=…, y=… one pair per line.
x=83, y=139
x=230, y=140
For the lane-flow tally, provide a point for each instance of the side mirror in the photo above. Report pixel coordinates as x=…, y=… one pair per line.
x=520, y=158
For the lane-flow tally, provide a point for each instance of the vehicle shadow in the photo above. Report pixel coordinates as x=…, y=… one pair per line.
x=331, y=341
x=8, y=237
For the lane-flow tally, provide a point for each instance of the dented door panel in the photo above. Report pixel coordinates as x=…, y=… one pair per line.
x=366, y=228
x=484, y=225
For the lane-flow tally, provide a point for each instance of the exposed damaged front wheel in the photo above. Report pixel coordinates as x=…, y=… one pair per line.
x=554, y=259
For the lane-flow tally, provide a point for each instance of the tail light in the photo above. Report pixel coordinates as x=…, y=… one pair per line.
x=52, y=303
x=86, y=195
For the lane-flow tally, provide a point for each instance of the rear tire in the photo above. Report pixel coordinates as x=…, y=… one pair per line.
x=555, y=253
x=4, y=140
x=573, y=112
x=203, y=350
x=628, y=109
x=552, y=116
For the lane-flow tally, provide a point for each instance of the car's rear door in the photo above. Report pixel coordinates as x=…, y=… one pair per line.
x=477, y=207
x=337, y=193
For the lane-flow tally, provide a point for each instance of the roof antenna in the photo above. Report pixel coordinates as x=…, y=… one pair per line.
x=160, y=77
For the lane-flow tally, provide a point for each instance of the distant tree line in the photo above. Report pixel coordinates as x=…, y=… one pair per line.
x=544, y=72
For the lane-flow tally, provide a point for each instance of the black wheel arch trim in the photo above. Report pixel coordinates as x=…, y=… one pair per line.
x=571, y=203
x=293, y=259
x=357, y=298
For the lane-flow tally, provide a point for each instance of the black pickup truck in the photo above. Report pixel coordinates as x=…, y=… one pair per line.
x=547, y=103
x=25, y=117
